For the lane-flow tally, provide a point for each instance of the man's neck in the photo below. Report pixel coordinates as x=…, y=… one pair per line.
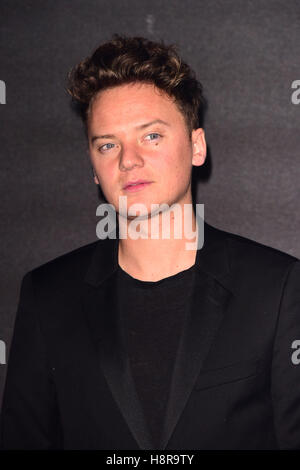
x=152, y=259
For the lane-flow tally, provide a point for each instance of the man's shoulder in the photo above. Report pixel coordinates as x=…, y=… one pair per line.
x=70, y=266
x=248, y=252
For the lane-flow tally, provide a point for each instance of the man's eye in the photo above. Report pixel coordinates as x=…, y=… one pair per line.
x=153, y=136
x=106, y=147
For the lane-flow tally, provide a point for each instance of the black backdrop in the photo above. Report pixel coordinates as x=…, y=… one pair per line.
x=247, y=55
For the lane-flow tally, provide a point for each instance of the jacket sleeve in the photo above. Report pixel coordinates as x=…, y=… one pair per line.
x=285, y=383
x=30, y=417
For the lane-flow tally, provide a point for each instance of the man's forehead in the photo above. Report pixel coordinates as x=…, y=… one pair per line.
x=133, y=94
x=123, y=107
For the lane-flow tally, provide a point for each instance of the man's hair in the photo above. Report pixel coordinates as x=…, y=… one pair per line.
x=124, y=60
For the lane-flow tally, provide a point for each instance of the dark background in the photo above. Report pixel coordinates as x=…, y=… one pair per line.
x=245, y=53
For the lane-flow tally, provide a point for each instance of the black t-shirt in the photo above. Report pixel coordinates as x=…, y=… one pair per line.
x=152, y=316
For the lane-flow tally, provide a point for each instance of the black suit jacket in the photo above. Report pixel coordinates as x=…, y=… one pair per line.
x=235, y=384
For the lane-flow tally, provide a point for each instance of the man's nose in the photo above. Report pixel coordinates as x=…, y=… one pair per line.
x=130, y=157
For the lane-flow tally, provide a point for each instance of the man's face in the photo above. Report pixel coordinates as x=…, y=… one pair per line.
x=136, y=132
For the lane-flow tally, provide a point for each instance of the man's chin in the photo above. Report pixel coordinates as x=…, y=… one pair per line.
x=142, y=211
x=139, y=216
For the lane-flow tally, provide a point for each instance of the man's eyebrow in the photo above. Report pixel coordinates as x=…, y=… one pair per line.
x=156, y=121
x=142, y=126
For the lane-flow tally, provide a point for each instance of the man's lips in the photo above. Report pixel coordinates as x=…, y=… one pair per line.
x=136, y=185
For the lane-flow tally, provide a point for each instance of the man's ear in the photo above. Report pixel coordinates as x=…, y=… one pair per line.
x=92, y=168
x=95, y=176
x=96, y=179
x=199, y=147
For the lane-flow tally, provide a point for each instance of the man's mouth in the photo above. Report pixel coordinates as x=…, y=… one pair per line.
x=133, y=186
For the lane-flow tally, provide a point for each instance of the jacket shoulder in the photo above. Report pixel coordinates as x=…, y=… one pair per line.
x=245, y=250
x=68, y=266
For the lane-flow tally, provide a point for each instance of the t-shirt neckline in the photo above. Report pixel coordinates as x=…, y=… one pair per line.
x=146, y=284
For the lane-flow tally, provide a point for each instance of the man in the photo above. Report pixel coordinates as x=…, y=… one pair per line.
x=139, y=342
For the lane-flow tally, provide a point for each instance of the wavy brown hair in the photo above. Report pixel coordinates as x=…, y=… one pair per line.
x=125, y=60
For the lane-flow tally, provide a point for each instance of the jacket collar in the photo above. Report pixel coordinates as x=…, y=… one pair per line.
x=212, y=258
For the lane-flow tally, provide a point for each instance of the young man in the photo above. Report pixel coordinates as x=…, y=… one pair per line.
x=139, y=342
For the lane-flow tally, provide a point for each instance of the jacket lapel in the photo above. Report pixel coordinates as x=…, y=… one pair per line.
x=103, y=316
x=210, y=299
